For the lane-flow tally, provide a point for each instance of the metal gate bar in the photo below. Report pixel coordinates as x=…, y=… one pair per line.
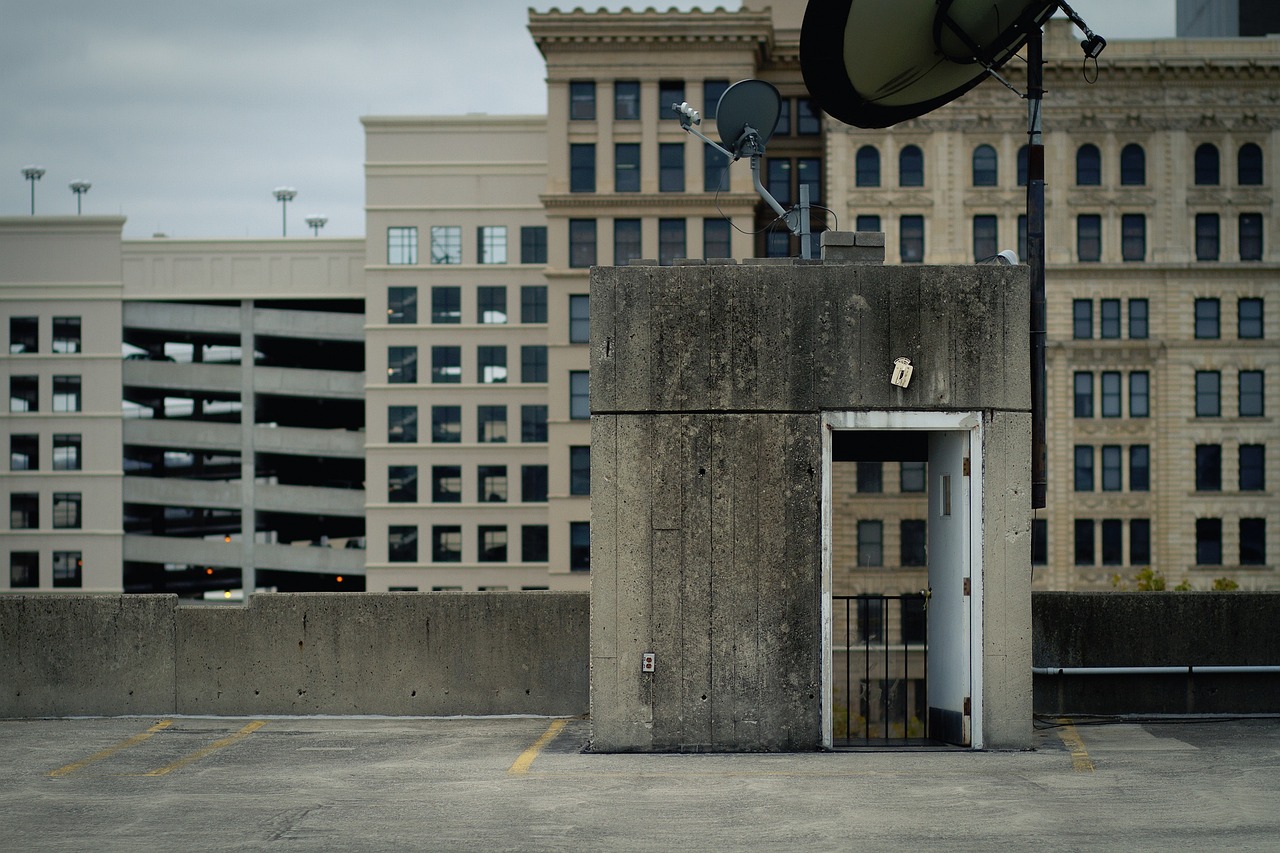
x=867, y=624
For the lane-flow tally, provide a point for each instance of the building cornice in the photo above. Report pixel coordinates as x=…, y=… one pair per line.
x=587, y=202
x=650, y=27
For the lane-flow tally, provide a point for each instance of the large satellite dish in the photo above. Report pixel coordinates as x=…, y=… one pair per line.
x=874, y=63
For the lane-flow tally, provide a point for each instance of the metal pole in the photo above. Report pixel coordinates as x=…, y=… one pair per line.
x=1035, y=261
x=284, y=217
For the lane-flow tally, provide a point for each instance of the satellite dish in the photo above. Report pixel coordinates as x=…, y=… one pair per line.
x=748, y=103
x=874, y=63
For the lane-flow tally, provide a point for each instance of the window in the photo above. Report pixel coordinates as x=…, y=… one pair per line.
x=446, y=365
x=1112, y=542
x=911, y=167
x=446, y=244
x=24, y=569
x=984, y=166
x=580, y=546
x=867, y=167
x=66, y=510
x=446, y=304
x=911, y=477
x=913, y=542
x=1084, y=468
x=809, y=174
x=867, y=222
x=66, y=393
x=446, y=484
x=1208, y=467
x=1089, y=237
x=533, y=543
x=1253, y=541
x=783, y=126
x=533, y=483
x=1021, y=166
x=1251, y=394
x=23, y=335
x=68, y=567
x=533, y=424
x=671, y=241
x=1206, y=165
x=1139, y=468
x=579, y=318
x=1039, y=542
x=808, y=121
x=491, y=241
x=402, y=484
x=1022, y=235
x=446, y=424
x=1084, y=542
x=582, y=100
x=533, y=303
x=1088, y=166
x=1082, y=319
x=446, y=543
x=1110, y=394
x=402, y=244
x=984, y=238
x=870, y=543
x=24, y=452
x=66, y=334
x=778, y=179
x=626, y=167
x=582, y=167
x=716, y=239
x=1133, y=165
x=1207, y=235
x=580, y=470
x=402, y=304
x=402, y=424
x=402, y=365
x=669, y=92
x=1207, y=311
x=1249, y=165
x=871, y=613
x=491, y=424
x=1083, y=391
x=491, y=544
x=870, y=477
x=533, y=244
x=491, y=364
x=493, y=483
x=1253, y=467
x=1139, y=542
x=24, y=511
x=1250, y=237
x=1208, y=393
x=1133, y=237
x=714, y=170
x=1111, y=468
x=533, y=363
x=1208, y=541
x=579, y=394
x=777, y=243
x=671, y=167
x=626, y=240
x=1109, y=322
x=712, y=92
x=911, y=239
x=582, y=243
x=1138, y=319
x=626, y=100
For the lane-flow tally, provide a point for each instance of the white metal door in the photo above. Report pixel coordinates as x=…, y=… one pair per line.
x=948, y=527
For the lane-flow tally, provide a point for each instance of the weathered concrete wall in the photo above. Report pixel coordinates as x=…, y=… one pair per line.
x=394, y=653
x=1140, y=629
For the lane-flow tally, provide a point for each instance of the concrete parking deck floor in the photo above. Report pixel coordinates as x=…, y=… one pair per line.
x=355, y=784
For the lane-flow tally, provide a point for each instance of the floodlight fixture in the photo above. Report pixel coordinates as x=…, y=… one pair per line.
x=284, y=195
x=316, y=221
x=33, y=174
x=79, y=188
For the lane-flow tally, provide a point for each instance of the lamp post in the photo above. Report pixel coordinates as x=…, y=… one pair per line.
x=33, y=174
x=316, y=221
x=79, y=188
x=284, y=195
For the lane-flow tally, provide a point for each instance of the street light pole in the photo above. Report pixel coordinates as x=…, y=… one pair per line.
x=284, y=195
x=33, y=174
x=79, y=188
x=316, y=221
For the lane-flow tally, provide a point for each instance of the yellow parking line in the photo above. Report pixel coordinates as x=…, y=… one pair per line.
x=526, y=758
x=111, y=750
x=211, y=748
x=1080, y=759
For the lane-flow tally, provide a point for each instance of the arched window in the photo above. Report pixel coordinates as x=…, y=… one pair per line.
x=1133, y=165
x=1249, y=165
x=984, y=166
x=911, y=167
x=1022, y=166
x=867, y=167
x=1207, y=165
x=1088, y=165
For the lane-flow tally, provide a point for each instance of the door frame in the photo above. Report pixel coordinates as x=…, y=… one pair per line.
x=970, y=422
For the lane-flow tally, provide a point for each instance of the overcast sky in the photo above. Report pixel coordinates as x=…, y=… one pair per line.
x=185, y=114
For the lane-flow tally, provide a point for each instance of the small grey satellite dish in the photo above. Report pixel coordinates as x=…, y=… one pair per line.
x=748, y=103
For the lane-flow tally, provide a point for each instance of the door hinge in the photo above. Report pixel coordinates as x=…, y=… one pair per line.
x=968, y=707
x=968, y=587
x=966, y=466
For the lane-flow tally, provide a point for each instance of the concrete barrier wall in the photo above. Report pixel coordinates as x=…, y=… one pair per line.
x=317, y=653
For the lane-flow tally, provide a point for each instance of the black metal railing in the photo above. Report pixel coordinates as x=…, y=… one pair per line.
x=880, y=657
